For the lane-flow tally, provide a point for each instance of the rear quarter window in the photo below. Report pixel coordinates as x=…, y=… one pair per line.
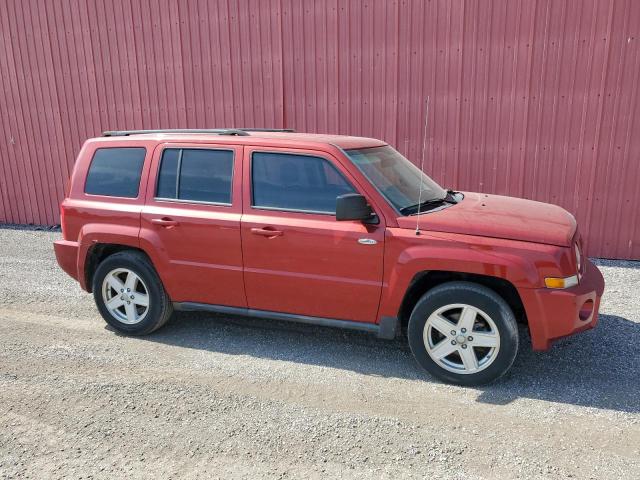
x=115, y=172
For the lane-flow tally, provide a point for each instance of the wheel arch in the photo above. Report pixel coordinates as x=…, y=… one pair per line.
x=98, y=252
x=424, y=281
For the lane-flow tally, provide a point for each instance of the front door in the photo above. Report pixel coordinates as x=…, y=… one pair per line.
x=297, y=258
x=191, y=221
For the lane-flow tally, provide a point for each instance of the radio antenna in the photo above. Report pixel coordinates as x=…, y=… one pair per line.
x=424, y=150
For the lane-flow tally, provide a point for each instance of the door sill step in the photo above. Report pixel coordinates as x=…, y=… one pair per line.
x=387, y=328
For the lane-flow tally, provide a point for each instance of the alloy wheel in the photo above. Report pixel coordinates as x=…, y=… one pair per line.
x=461, y=338
x=125, y=295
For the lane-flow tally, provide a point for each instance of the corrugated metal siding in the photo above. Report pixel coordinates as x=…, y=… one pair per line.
x=537, y=99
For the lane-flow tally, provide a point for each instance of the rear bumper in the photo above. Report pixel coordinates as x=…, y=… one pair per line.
x=554, y=314
x=67, y=256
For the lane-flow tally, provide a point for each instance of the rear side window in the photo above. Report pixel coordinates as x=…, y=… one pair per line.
x=302, y=183
x=200, y=175
x=115, y=172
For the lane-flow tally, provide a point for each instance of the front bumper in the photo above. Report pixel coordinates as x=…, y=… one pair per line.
x=554, y=314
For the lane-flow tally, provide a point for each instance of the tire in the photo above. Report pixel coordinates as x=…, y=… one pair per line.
x=127, y=295
x=441, y=342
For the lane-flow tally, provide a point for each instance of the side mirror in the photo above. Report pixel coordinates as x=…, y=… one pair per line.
x=353, y=206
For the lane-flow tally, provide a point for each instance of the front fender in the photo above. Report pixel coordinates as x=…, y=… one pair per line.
x=407, y=254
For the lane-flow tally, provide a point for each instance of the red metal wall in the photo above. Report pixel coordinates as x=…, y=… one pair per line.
x=529, y=98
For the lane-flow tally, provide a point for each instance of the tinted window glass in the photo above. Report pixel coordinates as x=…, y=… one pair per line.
x=168, y=173
x=203, y=175
x=296, y=182
x=115, y=172
x=399, y=180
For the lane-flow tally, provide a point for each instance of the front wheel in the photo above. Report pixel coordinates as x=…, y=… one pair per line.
x=463, y=333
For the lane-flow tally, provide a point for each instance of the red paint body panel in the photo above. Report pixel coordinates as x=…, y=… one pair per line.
x=523, y=264
x=91, y=219
x=199, y=259
x=315, y=266
x=67, y=257
x=501, y=217
x=561, y=308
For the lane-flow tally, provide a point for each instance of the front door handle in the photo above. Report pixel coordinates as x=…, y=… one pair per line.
x=367, y=241
x=266, y=232
x=165, y=222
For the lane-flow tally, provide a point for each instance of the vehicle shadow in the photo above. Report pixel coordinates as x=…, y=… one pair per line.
x=603, y=262
x=599, y=368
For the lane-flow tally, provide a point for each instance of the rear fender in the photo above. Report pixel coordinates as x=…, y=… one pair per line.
x=96, y=233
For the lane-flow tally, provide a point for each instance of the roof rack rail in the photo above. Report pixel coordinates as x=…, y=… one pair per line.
x=216, y=131
x=286, y=130
x=243, y=132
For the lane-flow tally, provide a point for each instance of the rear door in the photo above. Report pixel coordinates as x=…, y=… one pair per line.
x=191, y=222
x=298, y=259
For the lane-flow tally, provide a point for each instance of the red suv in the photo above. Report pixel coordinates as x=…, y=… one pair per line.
x=321, y=229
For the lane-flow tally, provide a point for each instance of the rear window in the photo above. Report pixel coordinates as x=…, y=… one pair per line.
x=115, y=172
x=200, y=175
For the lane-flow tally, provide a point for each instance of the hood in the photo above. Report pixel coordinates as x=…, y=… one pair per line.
x=500, y=217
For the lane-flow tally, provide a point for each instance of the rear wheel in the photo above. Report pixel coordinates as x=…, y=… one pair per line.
x=463, y=333
x=130, y=295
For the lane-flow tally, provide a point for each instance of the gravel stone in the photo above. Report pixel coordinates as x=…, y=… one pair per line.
x=219, y=397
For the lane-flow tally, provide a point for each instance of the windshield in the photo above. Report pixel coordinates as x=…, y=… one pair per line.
x=395, y=177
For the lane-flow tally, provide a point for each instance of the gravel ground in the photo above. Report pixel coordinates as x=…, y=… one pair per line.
x=214, y=397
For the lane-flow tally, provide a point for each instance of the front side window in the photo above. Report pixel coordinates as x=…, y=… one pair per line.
x=195, y=174
x=115, y=172
x=283, y=181
x=396, y=178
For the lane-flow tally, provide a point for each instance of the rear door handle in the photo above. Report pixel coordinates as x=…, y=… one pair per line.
x=266, y=232
x=164, y=222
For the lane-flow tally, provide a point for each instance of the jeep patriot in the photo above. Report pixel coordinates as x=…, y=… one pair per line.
x=320, y=229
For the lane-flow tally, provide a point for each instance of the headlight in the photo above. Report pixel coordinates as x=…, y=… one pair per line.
x=567, y=282
x=578, y=257
x=552, y=282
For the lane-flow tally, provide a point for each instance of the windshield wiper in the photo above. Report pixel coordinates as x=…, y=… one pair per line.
x=448, y=198
x=420, y=206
